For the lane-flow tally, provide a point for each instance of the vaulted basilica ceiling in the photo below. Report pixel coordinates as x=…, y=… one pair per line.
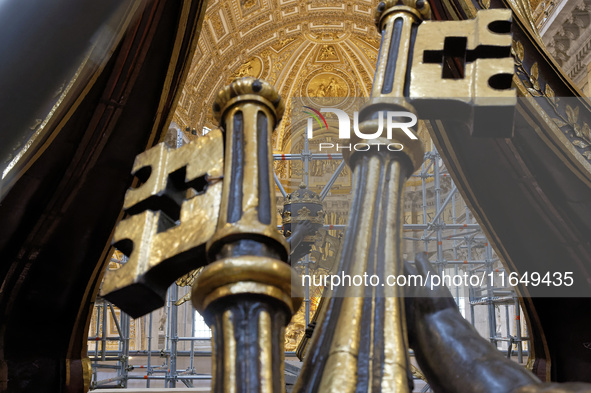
x=304, y=48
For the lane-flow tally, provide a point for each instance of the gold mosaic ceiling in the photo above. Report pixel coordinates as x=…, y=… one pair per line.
x=304, y=48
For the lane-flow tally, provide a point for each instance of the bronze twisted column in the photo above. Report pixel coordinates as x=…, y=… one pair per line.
x=360, y=343
x=245, y=294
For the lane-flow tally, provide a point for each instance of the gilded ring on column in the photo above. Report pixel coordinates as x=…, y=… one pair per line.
x=246, y=275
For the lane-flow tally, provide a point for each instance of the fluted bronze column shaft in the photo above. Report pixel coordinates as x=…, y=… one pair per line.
x=399, y=29
x=248, y=113
x=360, y=344
x=357, y=345
x=245, y=294
x=398, y=22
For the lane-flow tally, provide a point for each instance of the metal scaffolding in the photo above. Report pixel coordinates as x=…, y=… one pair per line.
x=441, y=224
x=159, y=364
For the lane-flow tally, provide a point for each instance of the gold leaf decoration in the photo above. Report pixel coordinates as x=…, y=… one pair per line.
x=559, y=122
x=533, y=76
x=572, y=115
x=518, y=50
x=586, y=132
x=580, y=143
x=550, y=93
x=533, y=92
x=577, y=129
x=486, y=4
x=587, y=155
x=576, y=111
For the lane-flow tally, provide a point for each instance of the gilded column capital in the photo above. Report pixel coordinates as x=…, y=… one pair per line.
x=420, y=8
x=248, y=89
